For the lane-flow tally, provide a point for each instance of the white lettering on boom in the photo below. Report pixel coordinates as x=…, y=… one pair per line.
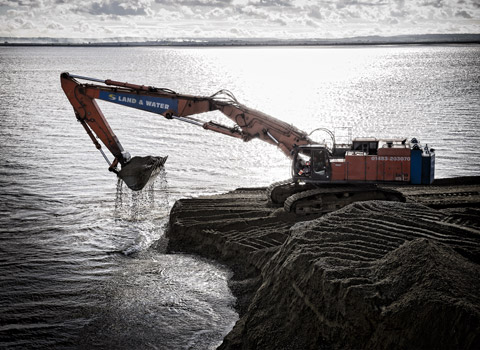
x=127, y=99
x=156, y=104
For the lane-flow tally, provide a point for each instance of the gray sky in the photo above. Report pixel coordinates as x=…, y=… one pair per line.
x=158, y=19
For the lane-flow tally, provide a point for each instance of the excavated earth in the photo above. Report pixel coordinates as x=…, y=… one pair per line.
x=372, y=275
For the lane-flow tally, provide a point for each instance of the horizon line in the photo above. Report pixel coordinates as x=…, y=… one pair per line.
x=402, y=39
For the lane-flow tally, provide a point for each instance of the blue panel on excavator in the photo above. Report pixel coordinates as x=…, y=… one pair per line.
x=157, y=105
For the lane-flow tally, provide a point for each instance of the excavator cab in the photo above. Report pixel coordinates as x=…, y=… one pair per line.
x=311, y=163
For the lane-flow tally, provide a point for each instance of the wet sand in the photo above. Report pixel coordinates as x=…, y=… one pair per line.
x=372, y=275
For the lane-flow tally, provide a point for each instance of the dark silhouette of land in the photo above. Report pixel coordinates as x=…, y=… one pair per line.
x=424, y=39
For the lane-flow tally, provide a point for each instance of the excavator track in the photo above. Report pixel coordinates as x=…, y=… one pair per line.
x=329, y=198
x=279, y=191
x=271, y=189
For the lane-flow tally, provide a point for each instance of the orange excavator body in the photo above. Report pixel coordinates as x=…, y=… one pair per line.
x=388, y=162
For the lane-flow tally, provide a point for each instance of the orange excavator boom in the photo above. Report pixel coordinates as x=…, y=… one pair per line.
x=249, y=123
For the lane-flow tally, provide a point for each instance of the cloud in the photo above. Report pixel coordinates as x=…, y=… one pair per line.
x=23, y=23
x=256, y=18
x=349, y=3
x=463, y=14
x=399, y=13
x=279, y=20
x=436, y=3
x=271, y=3
x=118, y=7
x=54, y=25
x=23, y=3
x=83, y=27
x=314, y=12
x=196, y=3
x=311, y=23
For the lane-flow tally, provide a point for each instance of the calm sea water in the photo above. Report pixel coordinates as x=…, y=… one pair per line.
x=82, y=262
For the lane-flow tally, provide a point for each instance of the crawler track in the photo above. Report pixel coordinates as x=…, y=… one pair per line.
x=309, y=199
x=329, y=198
x=278, y=192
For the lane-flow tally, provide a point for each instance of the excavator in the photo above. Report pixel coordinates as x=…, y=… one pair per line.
x=324, y=177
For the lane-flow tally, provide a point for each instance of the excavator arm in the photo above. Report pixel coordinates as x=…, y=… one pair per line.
x=83, y=99
x=249, y=123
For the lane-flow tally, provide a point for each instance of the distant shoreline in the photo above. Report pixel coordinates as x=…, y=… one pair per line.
x=226, y=45
x=425, y=39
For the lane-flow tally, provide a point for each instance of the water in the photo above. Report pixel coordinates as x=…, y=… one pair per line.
x=82, y=262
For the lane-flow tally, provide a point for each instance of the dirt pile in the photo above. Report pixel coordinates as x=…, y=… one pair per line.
x=238, y=228
x=373, y=275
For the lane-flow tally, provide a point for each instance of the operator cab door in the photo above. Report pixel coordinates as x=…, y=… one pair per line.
x=311, y=164
x=320, y=164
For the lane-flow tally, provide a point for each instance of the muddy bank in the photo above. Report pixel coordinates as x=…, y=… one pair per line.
x=372, y=275
x=237, y=228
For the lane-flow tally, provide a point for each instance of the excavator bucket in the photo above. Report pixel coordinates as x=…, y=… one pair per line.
x=139, y=170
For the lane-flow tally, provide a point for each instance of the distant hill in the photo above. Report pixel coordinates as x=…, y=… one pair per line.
x=361, y=40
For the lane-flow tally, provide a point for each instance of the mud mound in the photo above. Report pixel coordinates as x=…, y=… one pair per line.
x=431, y=291
x=443, y=193
x=374, y=275
x=237, y=228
